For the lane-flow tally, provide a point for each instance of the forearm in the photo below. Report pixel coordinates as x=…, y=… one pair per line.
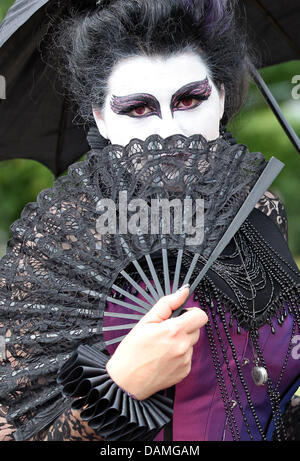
x=6, y=429
x=68, y=427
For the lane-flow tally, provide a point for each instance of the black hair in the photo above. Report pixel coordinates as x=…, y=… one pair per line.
x=85, y=45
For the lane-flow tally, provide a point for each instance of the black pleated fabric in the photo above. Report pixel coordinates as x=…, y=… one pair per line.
x=109, y=410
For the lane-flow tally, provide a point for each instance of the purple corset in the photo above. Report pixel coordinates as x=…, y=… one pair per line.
x=199, y=412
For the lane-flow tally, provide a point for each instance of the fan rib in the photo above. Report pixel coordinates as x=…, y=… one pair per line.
x=166, y=271
x=137, y=287
x=115, y=340
x=140, y=270
x=132, y=297
x=191, y=268
x=124, y=304
x=126, y=326
x=154, y=276
x=177, y=270
x=146, y=280
x=120, y=315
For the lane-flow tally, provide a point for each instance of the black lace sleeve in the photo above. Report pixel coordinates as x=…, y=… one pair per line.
x=6, y=429
x=106, y=408
x=292, y=419
x=68, y=427
x=273, y=207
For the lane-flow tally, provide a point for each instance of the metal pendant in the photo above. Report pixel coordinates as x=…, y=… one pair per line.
x=259, y=375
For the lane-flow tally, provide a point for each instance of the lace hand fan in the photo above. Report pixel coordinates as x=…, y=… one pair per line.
x=83, y=266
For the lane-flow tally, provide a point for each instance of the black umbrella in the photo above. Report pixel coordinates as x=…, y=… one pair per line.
x=274, y=26
x=37, y=122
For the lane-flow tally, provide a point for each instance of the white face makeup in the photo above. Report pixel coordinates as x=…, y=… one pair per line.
x=162, y=96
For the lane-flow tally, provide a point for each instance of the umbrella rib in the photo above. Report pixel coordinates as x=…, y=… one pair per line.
x=290, y=132
x=277, y=25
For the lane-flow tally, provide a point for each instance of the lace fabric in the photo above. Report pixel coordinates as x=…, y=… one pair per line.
x=272, y=206
x=58, y=269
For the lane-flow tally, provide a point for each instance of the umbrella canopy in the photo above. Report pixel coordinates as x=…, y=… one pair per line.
x=37, y=122
x=274, y=25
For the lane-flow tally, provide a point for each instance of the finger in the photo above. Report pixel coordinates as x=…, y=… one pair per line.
x=194, y=337
x=164, y=307
x=191, y=320
x=190, y=353
x=189, y=357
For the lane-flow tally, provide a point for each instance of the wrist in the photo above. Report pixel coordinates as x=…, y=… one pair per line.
x=101, y=394
x=123, y=380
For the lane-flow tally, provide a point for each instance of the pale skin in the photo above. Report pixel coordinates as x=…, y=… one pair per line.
x=196, y=109
x=157, y=353
x=159, y=96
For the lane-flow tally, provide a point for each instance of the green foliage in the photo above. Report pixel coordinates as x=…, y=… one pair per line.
x=20, y=182
x=257, y=127
x=4, y=5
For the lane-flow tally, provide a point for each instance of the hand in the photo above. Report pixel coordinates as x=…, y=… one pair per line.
x=157, y=352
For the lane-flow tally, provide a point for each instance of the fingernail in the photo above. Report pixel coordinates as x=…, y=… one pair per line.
x=187, y=285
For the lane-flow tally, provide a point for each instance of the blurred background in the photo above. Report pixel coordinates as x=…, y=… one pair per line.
x=255, y=126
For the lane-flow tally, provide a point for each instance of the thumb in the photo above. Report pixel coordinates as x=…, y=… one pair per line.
x=164, y=307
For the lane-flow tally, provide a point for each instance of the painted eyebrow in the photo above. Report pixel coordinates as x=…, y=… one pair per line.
x=123, y=104
x=199, y=88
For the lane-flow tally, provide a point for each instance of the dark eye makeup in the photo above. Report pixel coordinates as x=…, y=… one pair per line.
x=135, y=105
x=198, y=91
x=141, y=105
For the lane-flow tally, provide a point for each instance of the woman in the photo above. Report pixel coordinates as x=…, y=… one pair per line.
x=135, y=69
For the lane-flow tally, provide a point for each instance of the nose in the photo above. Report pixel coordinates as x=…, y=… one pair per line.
x=167, y=126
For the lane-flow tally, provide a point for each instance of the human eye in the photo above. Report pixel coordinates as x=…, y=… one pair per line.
x=188, y=102
x=135, y=105
x=139, y=111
